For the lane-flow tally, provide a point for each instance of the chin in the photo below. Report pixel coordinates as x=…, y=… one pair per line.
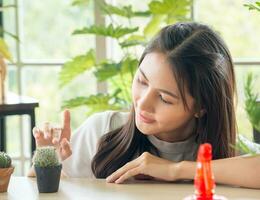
x=146, y=129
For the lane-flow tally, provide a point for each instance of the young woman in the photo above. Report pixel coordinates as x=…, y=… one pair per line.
x=183, y=96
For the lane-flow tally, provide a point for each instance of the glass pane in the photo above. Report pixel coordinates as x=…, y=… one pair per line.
x=41, y=83
x=19, y=168
x=26, y=135
x=18, y=171
x=243, y=123
x=27, y=166
x=47, y=27
x=13, y=129
x=13, y=132
x=11, y=80
x=239, y=26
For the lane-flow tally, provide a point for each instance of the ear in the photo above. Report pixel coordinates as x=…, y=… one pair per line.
x=200, y=113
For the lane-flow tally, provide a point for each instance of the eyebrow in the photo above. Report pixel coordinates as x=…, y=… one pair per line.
x=161, y=90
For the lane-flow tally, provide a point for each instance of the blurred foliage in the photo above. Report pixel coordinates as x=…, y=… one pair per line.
x=245, y=146
x=252, y=104
x=253, y=6
x=119, y=73
x=4, y=50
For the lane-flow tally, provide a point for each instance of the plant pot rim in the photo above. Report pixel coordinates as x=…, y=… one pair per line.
x=6, y=168
x=6, y=171
x=56, y=166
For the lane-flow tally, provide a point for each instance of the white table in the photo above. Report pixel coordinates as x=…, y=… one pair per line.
x=26, y=189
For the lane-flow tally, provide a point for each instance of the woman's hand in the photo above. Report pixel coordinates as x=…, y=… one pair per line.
x=147, y=165
x=46, y=137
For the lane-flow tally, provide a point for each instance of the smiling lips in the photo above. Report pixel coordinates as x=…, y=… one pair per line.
x=145, y=119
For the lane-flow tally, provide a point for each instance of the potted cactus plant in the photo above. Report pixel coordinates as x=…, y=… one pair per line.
x=47, y=168
x=6, y=170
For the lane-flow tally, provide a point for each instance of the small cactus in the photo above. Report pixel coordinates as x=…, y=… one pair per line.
x=5, y=160
x=46, y=157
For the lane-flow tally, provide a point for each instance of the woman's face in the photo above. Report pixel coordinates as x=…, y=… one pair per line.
x=159, y=109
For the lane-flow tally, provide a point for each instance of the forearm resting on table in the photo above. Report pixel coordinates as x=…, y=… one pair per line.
x=238, y=171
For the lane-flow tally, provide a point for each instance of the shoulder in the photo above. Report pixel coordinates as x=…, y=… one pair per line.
x=95, y=126
x=103, y=122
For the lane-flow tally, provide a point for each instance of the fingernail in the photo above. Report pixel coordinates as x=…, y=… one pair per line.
x=108, y=179
x=117, y=181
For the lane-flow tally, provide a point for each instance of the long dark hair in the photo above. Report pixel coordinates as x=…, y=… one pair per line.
x=202, y=63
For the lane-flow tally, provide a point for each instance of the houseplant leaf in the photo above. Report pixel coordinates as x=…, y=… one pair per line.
x=95, y=103
x=253, y=6
x=123, y=11
x=108, y=31
x=154, y=25
x=107, y=70
x=76, y=66
x=133, y=40
x=80, y=2
x=169, y=6
x=4, y=51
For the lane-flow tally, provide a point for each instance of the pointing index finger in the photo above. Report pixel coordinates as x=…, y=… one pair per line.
x=66, y=124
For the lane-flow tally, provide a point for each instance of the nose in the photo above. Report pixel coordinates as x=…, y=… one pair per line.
x=145, y=102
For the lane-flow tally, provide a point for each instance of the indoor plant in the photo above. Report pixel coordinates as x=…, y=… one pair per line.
x=252, y=106
x=47, y=168
x=128, y=37
x=6, y=170
x=4, y=55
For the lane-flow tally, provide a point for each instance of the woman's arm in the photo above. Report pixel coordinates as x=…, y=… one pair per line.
x=238, y=171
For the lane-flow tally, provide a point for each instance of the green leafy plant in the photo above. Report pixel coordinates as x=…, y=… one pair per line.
x=5, y=160
x=245, y=146
x=253, y=6
x=119, y=73
x=252, y=105
x=4, y=50
x=46, y=157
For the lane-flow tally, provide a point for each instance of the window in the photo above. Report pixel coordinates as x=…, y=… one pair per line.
x=45, y=44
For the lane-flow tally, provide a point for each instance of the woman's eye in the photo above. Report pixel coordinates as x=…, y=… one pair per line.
x=167, y=102
x=140, y=81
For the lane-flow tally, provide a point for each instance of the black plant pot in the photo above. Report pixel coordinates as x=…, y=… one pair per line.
x=256, y=134
x=48, y=178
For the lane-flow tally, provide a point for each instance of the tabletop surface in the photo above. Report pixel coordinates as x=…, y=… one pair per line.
x=14, y=102
x=74, y=188
x=12, y=98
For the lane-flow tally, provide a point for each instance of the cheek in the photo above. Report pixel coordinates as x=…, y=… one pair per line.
x=135, y=91
x=174, y=117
